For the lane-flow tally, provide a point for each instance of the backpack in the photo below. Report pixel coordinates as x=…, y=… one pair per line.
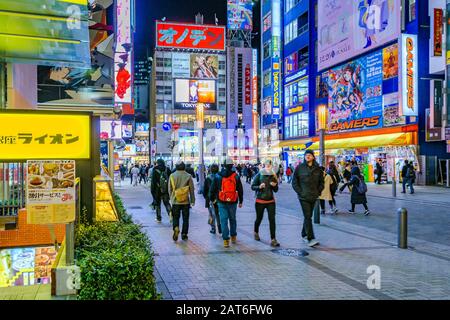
x=228, y=192
x=288, y=171
x=181, y=194
x=411, y=173
x=362, y=186
x=163, y=181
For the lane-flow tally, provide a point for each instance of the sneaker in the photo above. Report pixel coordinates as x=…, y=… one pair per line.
x=351, y=211
x=184, y=237
x=275, y=243
x=257, y=238
x=335, y=210
x=233, y=239
x=313, y=243
x=213, y=231
x=176, y=232
x=305, y=239
x=367, y=212
x=158, y=220
x=226, y=243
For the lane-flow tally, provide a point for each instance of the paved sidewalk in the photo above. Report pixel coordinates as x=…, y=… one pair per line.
x=35, y=292
x=201, y=268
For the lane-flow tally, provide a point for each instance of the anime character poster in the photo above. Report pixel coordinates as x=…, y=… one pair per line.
x=391, y=114
x=355, y=94
x=390, y=62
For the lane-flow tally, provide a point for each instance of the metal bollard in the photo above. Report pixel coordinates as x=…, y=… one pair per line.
x=316, y=212
x=402, y=228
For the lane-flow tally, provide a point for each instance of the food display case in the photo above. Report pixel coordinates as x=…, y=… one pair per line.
x=105, y=207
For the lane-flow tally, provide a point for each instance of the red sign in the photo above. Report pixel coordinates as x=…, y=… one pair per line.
x=438, y=31
x=127, y=109
x=175, y=126
x=190, y=36
x=248, y=85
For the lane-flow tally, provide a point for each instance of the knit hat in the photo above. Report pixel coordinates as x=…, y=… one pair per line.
x=310, y=152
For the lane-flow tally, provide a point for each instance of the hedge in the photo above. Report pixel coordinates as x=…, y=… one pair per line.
x=116, y=260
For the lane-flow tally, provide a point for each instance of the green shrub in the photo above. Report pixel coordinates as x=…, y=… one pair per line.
x=116, y=260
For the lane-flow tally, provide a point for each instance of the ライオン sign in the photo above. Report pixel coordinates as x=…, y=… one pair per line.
x=44, y=136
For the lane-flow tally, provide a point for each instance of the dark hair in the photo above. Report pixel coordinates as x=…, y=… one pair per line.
x=322, y=168
x=180, y=166
x=406, y=161
x=214, y=168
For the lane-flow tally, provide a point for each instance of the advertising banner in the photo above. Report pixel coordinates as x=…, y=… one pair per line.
x=110, y=129
x=127, y=130
x=50, y=191
x=240, y=15
x=190, y=92
x=431, y=134
x=204, y=66
x=180, y=65
x=44, y=136
x=409, y=78
x=255, y=80
x=438, y=31
x=129, y=150
x=248, y=85
x=190, y=36
x=276, y=80
x=391, y=114
x=348, y=28
x=390, y=62
x=355, y=94
x=104, y=153
x=142, y=145
x=142, y=128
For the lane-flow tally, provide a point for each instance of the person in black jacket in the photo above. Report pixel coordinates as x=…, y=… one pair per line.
x=404, y=175
x=356, y=197
x=379, y=171
x=308, y=182
x=227, y=200
x=160, y=189
x=213, y=208
x=265, y=184
x=334, y=173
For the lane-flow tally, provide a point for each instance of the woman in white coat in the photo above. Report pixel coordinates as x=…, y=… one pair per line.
x=326, y=193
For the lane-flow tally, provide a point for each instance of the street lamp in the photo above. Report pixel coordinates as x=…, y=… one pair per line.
x=322, y=116
x=200, y=124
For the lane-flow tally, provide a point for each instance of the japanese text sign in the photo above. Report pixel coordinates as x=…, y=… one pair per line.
x=188, y=36
x=44, y=136
x=50, y=191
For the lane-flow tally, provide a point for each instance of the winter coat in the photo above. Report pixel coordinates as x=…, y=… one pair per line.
x=155, y=187
x=356, y=197
x=181, y=179
x=326, y=193
x=217, y=186
x=207, y=187
x=308, y=181
x=265, y=177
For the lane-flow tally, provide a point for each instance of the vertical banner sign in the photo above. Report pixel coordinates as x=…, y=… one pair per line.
x=123, y=55
x=409, y=76
x=438, y=31
x=276, y=58
x=50, y=191
x=255, y=81
x=248, y=85
x=276, y=72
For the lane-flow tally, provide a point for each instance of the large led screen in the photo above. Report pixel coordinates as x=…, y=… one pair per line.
x=348, y=28
x=190, y=92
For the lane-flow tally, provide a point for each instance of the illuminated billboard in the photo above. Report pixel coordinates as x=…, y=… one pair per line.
x=240, y=15
x=190, y=92
x=348, y=28
x=127, y=130
x=204, y=66
x=190, y=36
x=110, y=129
x=409, y=78
x=123, y=57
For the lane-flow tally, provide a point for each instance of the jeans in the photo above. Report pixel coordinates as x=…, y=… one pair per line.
x=289, y=178
x=308, y=208
x=177, y=211
x=215, y=217
x=404, y=182
x=165, y=199
x=227, y=213
x=260, y=207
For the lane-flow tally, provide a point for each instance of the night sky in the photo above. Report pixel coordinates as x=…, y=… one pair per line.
x=148, y=11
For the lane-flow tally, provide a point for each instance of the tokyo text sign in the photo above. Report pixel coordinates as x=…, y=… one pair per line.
x=189, y=36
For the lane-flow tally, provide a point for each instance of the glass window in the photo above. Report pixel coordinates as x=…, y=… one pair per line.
x=267, y=22
x=266, y=50
x=267, y=80
x=412, y=10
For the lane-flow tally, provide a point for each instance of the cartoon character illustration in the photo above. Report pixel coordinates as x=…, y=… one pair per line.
x=369, y=22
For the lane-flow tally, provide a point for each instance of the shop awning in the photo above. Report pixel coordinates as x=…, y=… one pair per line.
x=382, y=140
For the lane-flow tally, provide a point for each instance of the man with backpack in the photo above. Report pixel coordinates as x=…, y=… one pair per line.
x=160, y=188
x=411, y=177
x=308, y=182
x=289, y=174
x=213, y=208
x=143, y=174
x=359, y=190
x=227, y=191
x=336, y=180
x=182, y=197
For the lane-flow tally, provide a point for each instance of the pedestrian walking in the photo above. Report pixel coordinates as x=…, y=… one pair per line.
x=379, y=171
x=249, y=174
x=308, y=183
x=182, y=198
x=289, y=173
x=227, y=191
x=404, y=175
x=134, y=173
x=359, y=190
x=280, y=173
x=213, y=208
x=265, y=184
x=411, y=176
x=347, y=175
x=160, y=189
x=326, y=192
x=143, y=174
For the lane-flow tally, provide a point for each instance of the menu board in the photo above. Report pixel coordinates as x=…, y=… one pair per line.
x=26, y=266
x=50, y=191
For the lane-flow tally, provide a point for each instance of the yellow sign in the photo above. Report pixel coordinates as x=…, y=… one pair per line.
x=44, y=136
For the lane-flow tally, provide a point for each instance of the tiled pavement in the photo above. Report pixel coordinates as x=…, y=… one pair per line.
x=35, y=292
x=202, y=269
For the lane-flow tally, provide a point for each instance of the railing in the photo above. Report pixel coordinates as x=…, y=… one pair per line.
x=12, y=188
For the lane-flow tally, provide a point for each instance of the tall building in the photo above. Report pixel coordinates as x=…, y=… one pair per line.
x=357, y=61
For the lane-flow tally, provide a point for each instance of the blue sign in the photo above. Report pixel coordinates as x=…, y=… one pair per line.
x=218, y=125
x=166, y=126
